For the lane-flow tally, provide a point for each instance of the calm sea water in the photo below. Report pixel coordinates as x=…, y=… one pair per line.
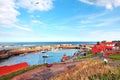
x=42, y=43
x=36, y=58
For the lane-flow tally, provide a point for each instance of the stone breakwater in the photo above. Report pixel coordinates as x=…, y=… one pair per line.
x=33, y=49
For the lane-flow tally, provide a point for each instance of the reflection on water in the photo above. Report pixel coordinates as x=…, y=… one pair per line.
x=36, y=58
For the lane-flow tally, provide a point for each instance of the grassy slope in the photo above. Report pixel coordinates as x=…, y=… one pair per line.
x=115, y=56
x=88, y=55
x=92, y=70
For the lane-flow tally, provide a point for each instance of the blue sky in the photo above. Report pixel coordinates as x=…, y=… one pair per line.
x=59, y=20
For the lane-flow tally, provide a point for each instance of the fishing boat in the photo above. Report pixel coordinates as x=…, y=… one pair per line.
x=64, y=58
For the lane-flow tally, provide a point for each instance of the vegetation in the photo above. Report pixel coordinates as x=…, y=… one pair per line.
x=115, y=56
x=88, y=55
x=11, y=75
x=90, y=70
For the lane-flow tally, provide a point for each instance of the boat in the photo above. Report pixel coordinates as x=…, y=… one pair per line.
x=45, y=56
x=43, y=51
x=64, y=58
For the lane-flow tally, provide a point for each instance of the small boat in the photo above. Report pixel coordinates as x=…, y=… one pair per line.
x=43, y=51
x=45, y=56
x=64, y=58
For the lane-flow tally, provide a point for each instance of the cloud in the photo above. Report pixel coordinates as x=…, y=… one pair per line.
x=8, y=36
x=8, y=12
x=8, y=15
x=23, y=28
x=105, y=35
x=85, y=21
x=99, y=20
x=32, y=5
x=37, y=22
x=106, y=22
x=108, y=4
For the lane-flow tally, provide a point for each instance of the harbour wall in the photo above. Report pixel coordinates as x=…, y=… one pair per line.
x=33, y=49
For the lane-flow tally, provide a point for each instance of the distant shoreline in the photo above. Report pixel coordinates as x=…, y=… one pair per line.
x=13, y=45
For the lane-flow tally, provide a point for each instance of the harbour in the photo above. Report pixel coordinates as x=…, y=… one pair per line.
x=36, y=58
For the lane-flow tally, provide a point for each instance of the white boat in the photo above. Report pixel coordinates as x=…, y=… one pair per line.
x=43, y=51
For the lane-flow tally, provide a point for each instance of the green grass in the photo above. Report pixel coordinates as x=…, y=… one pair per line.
x=11, y=75
x=112, y=75
x=115, y=56
x=88, y=55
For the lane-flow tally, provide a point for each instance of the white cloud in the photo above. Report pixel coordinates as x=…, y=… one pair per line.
x=99, y=20
x=105, y=35
x=117, y=3
x=8, y=15
x=32, y=5
x=23, y=28
x=106, y=22
x=85, y=21
x=8, y=12
x=37, y=22
x=109, y=4
x=7, y=36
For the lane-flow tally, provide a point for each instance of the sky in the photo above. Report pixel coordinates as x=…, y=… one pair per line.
x=59, y=20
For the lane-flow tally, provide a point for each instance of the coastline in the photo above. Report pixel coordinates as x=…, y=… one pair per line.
x=32, y=49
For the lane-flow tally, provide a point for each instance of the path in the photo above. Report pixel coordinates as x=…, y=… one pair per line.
x=44, y=73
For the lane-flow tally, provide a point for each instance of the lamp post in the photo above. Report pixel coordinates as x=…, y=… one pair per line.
x=44, y=56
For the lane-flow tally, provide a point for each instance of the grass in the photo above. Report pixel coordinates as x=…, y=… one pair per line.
x=118, y=68
x=115, y=56
x=11, y=75
x=90, y=70
x=113, y=74
x=88, y=55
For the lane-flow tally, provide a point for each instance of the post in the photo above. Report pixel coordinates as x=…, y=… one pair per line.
x=44, y=57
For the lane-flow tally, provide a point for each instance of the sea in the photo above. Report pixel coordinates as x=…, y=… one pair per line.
x=36, y=58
